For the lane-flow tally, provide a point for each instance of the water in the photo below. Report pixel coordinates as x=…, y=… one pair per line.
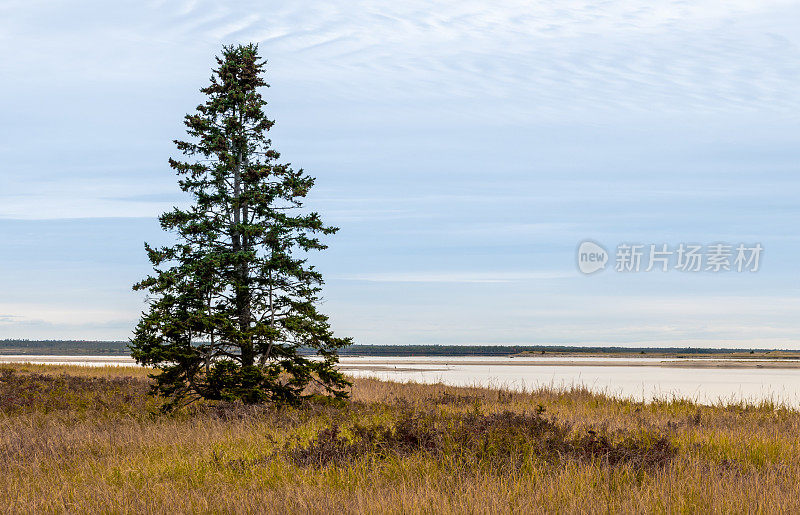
x=87, y=361
x=615, y=376
x=638, y=378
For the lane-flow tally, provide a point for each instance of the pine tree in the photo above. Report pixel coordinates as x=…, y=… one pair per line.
x=232, y=304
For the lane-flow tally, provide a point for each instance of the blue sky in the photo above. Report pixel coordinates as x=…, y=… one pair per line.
x=464, y=148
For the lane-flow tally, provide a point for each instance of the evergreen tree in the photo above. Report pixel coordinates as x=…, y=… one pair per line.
x=232, y=304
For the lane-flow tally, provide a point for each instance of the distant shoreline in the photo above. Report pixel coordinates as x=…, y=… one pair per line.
x=119, y=348
x=433, y=363
x=692, y=363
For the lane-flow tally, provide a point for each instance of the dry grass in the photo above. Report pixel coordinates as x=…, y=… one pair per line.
x=91, y=441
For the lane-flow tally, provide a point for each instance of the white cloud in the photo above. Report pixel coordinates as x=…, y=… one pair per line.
x=556, y=319
x=543, y=57
x=454, y=277
x=424, y=88
x=50, y=314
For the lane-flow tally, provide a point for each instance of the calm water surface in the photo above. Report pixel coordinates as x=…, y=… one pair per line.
x=706, y=385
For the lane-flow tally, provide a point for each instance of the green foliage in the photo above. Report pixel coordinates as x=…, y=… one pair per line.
x=232, y=305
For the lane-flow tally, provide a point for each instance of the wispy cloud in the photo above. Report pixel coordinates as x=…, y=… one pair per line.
x=455, y=277
x=8, y=319
x=527, y=57
x=463, y=146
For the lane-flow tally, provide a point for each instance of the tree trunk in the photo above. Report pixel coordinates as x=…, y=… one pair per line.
x=242, y=289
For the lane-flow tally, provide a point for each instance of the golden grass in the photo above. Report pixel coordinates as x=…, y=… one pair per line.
x=91, y=442
x=79, y=370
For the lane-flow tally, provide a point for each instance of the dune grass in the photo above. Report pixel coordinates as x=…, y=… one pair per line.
x=85, y=439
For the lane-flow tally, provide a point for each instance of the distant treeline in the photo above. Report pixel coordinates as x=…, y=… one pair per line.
x=506, y=350
x=87, y=347
x=64, y=347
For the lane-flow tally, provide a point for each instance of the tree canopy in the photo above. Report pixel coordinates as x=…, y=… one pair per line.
x=232, y=305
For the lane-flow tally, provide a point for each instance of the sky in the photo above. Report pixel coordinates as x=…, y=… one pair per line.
x=464, y=148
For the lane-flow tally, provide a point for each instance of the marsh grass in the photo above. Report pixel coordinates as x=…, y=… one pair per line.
x=45, y=393
x=498, y=442
x=80, y=440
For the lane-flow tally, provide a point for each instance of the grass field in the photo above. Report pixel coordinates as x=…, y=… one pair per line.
x=91, y=440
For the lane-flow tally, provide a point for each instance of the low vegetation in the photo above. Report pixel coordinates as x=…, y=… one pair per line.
x=92, y=440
